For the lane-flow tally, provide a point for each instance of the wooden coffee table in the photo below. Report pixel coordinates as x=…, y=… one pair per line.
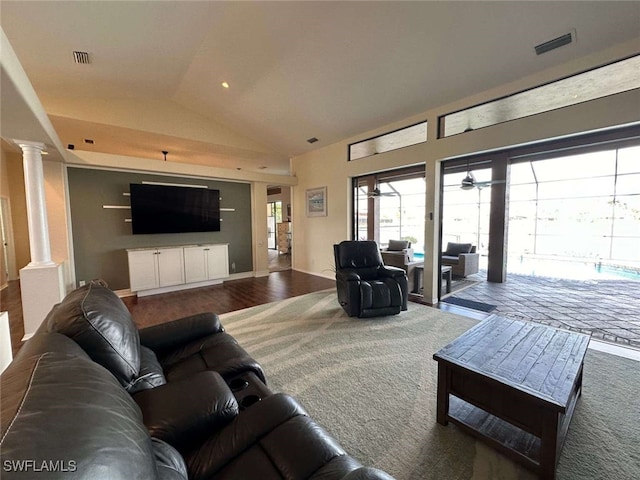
x=514, y=385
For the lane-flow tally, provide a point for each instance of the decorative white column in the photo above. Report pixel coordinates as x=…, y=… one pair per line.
x=42, y=280
x=36, y=205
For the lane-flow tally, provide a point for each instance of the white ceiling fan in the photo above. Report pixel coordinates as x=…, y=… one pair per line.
x=377, y=193
x=469, y=181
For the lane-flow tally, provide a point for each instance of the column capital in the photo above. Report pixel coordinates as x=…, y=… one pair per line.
x=24, y=144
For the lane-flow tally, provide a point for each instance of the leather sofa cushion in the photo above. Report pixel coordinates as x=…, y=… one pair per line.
x=223, y=447
x=70, y=410
x=97, y=320
x=219, y=352
x=455, y=249
x=169, y=336
x=275, y=440
x=184, y=412
x=169, y=462
x=43, y=342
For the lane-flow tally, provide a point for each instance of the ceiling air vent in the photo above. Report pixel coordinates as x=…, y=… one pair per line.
x=561, y=41
x=312, y=140
x=81, y=57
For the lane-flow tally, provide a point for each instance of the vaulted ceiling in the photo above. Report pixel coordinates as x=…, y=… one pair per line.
x=295, y=70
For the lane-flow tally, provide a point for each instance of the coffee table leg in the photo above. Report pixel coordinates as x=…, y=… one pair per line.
x=549, y=446
x=443, y=394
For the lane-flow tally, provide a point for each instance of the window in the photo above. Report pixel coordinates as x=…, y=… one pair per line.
x=466, y=212
x=600, y=82
x=404, y=137
x=391, y=205
x=584, y=206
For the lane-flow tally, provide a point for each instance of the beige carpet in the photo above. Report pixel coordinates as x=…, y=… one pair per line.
x=372, y=384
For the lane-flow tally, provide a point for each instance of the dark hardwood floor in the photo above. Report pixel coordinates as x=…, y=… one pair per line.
x=230, y=296
x=154, y=309
x=11, y=302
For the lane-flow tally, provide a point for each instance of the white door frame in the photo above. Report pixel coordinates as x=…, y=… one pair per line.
x=7, y=237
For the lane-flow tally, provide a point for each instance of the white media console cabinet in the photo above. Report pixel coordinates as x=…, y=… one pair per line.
x=165, y=269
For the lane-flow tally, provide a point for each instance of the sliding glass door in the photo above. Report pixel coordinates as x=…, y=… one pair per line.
x=390, y=206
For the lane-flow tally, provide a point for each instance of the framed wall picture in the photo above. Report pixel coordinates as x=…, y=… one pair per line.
x=316, y=200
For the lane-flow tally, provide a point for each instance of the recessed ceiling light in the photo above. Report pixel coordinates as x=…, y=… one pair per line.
x=225, y=85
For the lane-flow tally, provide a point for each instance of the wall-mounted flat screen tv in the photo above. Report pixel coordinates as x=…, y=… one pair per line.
x=174, y=209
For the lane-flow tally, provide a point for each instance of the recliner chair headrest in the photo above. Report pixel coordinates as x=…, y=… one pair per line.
x=358, y=254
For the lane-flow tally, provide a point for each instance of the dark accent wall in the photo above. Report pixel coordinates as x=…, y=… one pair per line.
x=101, y=236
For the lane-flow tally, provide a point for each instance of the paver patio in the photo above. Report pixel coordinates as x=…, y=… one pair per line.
x=607, y=309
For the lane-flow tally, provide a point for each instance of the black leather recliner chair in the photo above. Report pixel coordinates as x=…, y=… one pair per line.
x=366, y=287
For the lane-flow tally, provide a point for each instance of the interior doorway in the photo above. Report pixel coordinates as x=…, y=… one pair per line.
x=279, y=228
x=7, y=256
x=274, y=216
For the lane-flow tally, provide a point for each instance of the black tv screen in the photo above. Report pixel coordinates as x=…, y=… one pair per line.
x=169, y=209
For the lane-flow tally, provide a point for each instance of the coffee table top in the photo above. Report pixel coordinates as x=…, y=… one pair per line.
x=537, y=359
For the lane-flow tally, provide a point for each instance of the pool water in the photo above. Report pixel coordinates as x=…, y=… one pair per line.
x=574, y=270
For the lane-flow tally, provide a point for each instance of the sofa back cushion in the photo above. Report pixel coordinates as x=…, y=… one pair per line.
x=97, y=320
x=69, y=417
x=455, y=249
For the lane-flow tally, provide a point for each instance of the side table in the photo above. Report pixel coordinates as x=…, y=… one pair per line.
x=445, y=271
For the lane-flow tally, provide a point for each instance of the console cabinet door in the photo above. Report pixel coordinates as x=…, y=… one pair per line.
x=217, y=261
x=143, y=270
x=195, y=264
x=170, y=266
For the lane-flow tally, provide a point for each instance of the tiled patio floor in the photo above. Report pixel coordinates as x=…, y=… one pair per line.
x=607, y=309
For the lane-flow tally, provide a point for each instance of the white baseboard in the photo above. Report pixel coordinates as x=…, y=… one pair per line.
x=331, y=276
x=186, y=286
x=177, y=288
x=238, y=276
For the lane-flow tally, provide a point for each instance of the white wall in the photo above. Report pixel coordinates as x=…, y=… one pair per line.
x=313, y=237
x=6, y=353
x=57, y=198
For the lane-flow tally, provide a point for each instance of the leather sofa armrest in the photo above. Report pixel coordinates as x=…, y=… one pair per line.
x=227, y=444
x=171, y=335
x=186, y=411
